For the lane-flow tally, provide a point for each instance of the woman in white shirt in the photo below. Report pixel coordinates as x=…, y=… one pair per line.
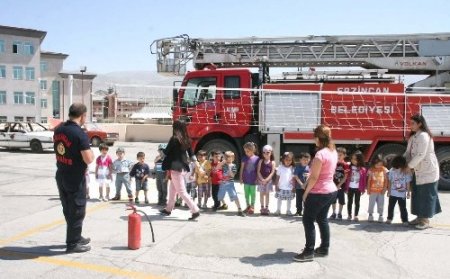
x=422, y=159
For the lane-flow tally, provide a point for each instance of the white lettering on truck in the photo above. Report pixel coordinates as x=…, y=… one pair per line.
x=362, y=109
x=232, y=111
x=364, y=89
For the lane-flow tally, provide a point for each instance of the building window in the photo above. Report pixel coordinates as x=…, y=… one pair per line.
x=29, y=73
x=2, y=46
x=31, y=119
x=44, y=66
x=44, y=120
x=2, y=97
x=18, y=118
x=3, y=119
x=18, y=97
x=43, y=84
x=2, y=71
x=17, y=47
x=44, y=103
x=56, y=100
x=17, y=72
x=29, y=98
x=28, y=49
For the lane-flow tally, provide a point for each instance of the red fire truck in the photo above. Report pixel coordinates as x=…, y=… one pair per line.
x=226, y=105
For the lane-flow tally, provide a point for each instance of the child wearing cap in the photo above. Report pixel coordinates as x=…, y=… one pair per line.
x=160, y=176
x=122, y=169
x=265, y=172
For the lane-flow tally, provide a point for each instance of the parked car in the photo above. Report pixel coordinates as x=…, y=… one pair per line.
x=97, y=135
x=15, y=135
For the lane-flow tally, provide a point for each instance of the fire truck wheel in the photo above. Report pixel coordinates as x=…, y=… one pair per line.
x=222, y=145
x=388, y=152
x=443, y=156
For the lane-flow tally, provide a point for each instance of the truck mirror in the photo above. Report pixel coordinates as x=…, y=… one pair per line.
x=175, y=95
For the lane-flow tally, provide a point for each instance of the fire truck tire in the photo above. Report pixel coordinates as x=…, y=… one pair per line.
x=443, y=156
x=388, y=152
x=222, y=145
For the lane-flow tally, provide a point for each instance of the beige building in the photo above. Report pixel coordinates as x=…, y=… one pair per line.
x=33, y=84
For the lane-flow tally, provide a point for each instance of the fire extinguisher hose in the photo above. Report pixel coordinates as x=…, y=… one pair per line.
x=150, y=222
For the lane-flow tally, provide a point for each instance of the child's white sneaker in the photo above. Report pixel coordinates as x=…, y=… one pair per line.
x=277, y=213
x=288, y=213
x=381, y=219
x=370, y=218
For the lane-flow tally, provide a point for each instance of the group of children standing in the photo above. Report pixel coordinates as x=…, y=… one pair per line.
x=216, y=176
x=125, y=170
x=377, y=181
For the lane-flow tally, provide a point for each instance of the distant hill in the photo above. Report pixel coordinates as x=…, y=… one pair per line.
x=140, y=84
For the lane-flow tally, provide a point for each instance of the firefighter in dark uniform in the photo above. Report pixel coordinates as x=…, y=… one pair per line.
x=73, y=154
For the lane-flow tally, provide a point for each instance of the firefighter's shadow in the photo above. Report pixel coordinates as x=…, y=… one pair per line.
x=17, y=253
x=279, y=257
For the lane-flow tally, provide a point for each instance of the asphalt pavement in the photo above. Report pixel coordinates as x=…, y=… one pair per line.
x=217, y=245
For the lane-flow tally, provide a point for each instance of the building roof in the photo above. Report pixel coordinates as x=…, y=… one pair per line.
x=54, y=54
x=25, y=32
x=77, y=75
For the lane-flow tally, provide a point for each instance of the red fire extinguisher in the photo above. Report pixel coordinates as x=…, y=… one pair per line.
x=134, y=228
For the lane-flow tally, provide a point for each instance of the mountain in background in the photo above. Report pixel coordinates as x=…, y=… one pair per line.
x=136, y=84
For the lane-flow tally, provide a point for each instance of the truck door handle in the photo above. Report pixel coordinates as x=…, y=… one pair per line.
x=217, y=117
x=186, y=118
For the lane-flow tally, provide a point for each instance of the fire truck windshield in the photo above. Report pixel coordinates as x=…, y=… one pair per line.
x=199, y=90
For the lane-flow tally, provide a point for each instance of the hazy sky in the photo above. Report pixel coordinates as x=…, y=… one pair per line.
x=115, y=35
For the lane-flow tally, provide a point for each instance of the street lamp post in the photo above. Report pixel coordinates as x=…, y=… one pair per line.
x=82, y=70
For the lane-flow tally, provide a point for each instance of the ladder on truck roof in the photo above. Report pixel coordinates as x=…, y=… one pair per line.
x=399, y=54
x=377, y=75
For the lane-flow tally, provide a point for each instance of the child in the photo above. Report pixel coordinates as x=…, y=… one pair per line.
x=202, y=172
x=227, y=186
x=140, y=172
x=285, y=184
x=301, y=174
x=265, y=173
x=399, y=188
x=340, y=177
x=122, y=168
x=103, y=171
x=377, y=183
x=189, y=180
x=216, y=178
x=160, y=175
x=356, y=183
x=248, y=175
